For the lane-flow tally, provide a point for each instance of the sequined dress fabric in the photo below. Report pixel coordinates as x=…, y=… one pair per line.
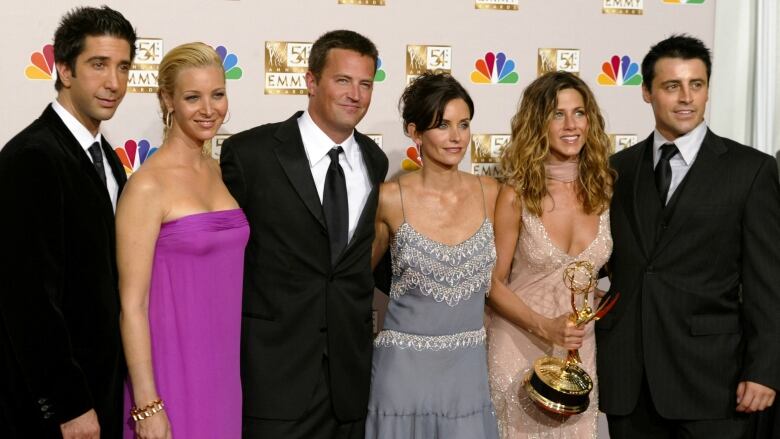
x=429, y=372
x=537, y=278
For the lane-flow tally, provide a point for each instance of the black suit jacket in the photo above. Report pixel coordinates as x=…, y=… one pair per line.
x=60, y=347
x=700, y=287
x=295, y=303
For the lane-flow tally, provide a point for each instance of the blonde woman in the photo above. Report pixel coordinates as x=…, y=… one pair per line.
x=553, y=210
x=180, y=244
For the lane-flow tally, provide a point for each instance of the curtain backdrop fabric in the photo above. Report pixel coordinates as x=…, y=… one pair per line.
x=745, y=93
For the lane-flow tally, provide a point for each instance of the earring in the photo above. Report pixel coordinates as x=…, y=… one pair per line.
x=168, y=120
x=227, y=119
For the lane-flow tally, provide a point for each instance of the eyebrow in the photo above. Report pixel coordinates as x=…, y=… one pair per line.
x=198, y=91
x=105, y=58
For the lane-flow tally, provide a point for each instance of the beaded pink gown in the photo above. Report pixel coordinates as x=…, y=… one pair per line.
x=537, y=278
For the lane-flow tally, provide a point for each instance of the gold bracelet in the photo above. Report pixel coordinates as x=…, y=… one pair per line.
x=150, y=409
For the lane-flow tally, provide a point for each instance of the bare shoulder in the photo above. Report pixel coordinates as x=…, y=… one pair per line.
x=389, y=196
x=144, y=188
x=390, y=203
x=507, y=195
x=490, y=185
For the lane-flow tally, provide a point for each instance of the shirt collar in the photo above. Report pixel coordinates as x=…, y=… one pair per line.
x=79, y=131
x=317, y=143
x=688, y=144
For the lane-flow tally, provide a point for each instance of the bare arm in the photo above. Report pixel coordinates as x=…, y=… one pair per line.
x=560, y=330
x=382, y=237
x=138, y=219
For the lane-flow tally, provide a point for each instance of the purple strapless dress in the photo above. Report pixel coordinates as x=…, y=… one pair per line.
x=195, y=323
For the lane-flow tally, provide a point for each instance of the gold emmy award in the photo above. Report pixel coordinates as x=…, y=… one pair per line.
x=558, y=385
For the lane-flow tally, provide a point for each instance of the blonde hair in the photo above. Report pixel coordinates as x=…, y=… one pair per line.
x=177, y=59
x=522, y=161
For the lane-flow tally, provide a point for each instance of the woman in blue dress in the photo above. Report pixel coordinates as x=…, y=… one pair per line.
x=429, y=374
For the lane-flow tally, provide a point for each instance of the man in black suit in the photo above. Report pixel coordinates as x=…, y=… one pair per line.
x=692, y=347
x=309, y=188
x=61, y=366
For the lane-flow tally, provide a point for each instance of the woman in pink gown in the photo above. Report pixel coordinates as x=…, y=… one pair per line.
x=180, y=245
x=553, y=210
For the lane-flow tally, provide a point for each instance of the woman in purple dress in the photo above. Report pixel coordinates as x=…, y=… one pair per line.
x=180, y=244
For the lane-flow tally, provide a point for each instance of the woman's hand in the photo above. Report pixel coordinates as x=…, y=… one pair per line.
x=562, y=332
x=156, y=426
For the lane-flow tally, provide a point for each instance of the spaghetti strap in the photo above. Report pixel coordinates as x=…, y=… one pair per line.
x=401, y=194
x=484, y=201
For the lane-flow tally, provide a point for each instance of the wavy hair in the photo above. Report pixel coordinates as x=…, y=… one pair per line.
x=522, y=161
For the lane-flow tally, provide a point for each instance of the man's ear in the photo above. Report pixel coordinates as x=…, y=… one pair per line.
x=311, y=82
x=646, y=94
x=64, y=73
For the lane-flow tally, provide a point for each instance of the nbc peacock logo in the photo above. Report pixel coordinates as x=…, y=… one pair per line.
x=229, y=63
x=134, y=154
x=412, y=161
x=380, y=74
x=42, y=64
x=620, y=71
x=494, y=68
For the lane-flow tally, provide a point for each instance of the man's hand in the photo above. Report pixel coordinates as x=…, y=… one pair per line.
x=85, y=426
x=753, y=397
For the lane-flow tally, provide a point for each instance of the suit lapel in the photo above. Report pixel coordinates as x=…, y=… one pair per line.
x=292, y=157
x=694, y=186
x=641, y=222
x=372, y=164
x=70, y=144
x=116, y=166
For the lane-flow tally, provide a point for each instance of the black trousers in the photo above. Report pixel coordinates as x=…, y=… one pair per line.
x=318, y=422
x=646, y=423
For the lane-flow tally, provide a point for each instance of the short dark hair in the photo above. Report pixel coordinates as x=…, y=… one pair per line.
x=677, y=46
x=424, y=100
x=339, y=39
x=81, y=22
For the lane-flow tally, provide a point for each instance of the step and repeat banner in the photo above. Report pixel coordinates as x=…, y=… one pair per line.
x=494, y=47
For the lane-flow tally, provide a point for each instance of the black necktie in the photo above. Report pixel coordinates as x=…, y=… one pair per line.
x=97, y=160
x=663, y=171
x=334, y=205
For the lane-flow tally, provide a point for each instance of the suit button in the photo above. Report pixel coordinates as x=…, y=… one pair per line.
x=44, y=408
x=47, y=415
x=42, y=400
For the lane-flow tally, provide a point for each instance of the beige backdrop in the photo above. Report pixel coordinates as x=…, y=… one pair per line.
x=244, y=26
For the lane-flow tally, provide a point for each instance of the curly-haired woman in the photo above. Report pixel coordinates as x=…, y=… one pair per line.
x=551, y=211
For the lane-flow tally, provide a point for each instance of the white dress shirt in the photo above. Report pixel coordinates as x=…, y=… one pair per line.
x=317, y=144
x=688, y=145
x=86, y=139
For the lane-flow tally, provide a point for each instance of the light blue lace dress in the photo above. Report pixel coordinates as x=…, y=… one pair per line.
x=429, y=374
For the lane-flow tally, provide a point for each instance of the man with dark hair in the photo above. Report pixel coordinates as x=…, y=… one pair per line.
x=61, y=366
x=691, y=348
x=309, y=187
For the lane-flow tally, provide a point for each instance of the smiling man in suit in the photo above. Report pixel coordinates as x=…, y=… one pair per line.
x=309, y=188
x=691, y=349
x=61, y=367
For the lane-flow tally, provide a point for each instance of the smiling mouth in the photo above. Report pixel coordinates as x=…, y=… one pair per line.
x=206, y=123
x=570, y=139
x=107, y=102
x=684, y=112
